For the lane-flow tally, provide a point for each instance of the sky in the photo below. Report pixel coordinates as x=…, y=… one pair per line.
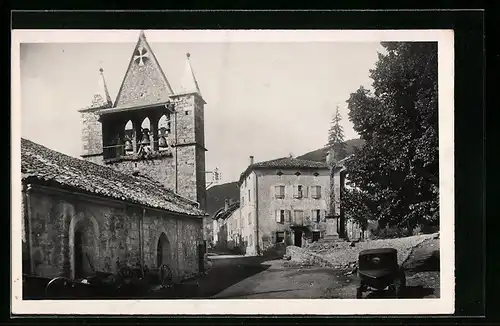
x=265, y=99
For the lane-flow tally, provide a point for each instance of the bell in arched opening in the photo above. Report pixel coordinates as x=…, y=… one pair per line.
x=128, y=145
x=162, y=142
x=145, y=137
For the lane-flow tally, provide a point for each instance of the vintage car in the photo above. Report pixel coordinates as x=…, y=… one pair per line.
x=378, y=270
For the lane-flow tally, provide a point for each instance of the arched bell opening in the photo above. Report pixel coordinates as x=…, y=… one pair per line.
x=146, y=132
x=145, y=140
x=129, y=138
x=164, y=130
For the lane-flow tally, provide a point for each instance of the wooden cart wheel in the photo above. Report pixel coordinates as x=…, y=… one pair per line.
x=165, y=276
x=54, y=287
x=125, y=273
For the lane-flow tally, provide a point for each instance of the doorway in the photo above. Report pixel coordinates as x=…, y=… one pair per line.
x=78, y=254
x=162, y=257
x=297, y=238
x=316, y=235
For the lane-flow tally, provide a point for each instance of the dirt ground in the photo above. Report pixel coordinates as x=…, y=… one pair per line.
x=239, y=277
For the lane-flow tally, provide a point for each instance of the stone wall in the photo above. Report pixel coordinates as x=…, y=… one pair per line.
x=160, y=169
x=111, y=234
x=91, y=133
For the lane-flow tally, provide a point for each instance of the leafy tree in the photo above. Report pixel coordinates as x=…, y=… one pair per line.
x=336, y=143
x=397, y=168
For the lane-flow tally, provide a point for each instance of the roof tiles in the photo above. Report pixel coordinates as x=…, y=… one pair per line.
x=40, y=164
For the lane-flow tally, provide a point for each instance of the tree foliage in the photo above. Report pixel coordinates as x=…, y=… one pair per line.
x=336, y=143
x=397, y=168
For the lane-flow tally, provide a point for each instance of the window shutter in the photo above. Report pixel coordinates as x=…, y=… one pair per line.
x=288, y=216
x=296, y=191
x=282, y=191
x=305, y=191
x=278, y=216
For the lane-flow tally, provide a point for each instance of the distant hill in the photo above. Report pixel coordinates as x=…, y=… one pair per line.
x=319, y=155
x=217, y=194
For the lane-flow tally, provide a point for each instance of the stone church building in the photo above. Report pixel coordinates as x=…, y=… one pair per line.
x=136, y=197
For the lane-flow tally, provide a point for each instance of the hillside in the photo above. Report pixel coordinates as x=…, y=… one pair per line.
x=319, y=155
x=217, y=194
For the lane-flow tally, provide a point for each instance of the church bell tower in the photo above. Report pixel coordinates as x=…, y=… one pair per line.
x=150, y=130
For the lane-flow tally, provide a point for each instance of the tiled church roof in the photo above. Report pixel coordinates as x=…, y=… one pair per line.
x=42, y=165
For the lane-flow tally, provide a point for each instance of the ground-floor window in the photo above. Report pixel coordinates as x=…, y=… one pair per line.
x=280, y=237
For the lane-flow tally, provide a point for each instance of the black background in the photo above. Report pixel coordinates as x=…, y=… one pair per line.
x=470, y=216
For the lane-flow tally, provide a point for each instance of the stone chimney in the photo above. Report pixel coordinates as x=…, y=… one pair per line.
x=226, y=204
x=251, y=160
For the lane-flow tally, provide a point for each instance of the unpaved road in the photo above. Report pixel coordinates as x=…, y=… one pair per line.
x=238, y=277
x=281, y=281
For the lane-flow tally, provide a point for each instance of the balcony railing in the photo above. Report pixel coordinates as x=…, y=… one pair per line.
x=119, y=152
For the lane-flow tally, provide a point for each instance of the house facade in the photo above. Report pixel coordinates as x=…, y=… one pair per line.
x=283, y=201
x=225, y=225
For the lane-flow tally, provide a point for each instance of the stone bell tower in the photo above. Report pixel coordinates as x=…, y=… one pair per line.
x=150, y=130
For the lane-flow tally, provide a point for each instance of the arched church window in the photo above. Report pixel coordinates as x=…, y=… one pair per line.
x=129, y=136
x=164, y=129
x=145, y=144
x=145, y=129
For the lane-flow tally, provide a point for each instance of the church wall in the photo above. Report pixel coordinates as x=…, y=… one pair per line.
x=111, y=234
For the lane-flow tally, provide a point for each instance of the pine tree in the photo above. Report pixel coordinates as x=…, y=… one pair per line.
x=336, y=144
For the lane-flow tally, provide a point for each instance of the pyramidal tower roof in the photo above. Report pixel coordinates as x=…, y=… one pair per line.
x=101, y=95
x=144, y=83
x=189, y=84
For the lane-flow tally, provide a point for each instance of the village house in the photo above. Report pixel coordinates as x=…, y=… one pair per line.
x=226, y=224
x=283, y=201
x=138, y=195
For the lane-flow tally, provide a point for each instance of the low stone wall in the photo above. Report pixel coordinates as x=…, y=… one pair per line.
x=340, y=254
x=306, y=257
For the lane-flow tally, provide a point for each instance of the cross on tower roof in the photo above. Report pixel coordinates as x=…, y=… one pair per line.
x=140, y=55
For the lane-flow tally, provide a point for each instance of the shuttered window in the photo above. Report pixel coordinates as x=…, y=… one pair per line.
x=288, y=216
x=316, y=213
x=298, y=191
x=280, y=216
x=279, y=192
x=316, y=192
